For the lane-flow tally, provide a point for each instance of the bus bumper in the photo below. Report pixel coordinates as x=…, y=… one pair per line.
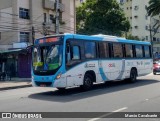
x=49, y=83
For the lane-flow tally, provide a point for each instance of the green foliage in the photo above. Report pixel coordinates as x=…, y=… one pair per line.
x=154, y=8
x=101, y=17
x=132, y=37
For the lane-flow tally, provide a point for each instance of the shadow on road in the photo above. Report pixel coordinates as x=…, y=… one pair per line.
x=73, y=94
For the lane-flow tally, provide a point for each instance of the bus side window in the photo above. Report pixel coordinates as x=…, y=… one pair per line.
x=76, y=53
x=139, y=52
x=147, y=52
x=128, y=51
x=90, y=50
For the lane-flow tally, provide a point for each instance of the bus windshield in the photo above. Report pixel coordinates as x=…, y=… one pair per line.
x=47, y=58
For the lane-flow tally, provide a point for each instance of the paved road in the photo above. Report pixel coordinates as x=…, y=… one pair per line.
x=142, y=96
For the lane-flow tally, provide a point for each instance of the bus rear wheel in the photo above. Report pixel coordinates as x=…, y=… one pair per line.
x=87, y=82
x=133, y=75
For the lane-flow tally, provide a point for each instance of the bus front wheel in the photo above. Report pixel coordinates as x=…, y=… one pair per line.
x=87, y=82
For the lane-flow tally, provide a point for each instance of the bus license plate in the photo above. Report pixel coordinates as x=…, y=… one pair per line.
x=43, y=85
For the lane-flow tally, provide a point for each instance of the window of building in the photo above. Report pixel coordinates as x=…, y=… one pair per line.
x=103, y=50
x=52, y=19
x=146, y=51
x=139, y=52
x=136, y=7
x=130, y=17
x=24, y=36
x=0, y=35
x=135, y=16
x=146, y=37
x=128, y=50
x=130, y=7
x=117, y=50
x=90, y=50
x=76, y=53
x=121, y=1
x=24, y=13
x=154, y=39
x=136, y=27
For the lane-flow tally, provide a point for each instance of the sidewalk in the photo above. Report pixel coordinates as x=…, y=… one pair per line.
x=15, y=83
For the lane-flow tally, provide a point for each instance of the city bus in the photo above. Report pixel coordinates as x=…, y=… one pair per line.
x=70, y=60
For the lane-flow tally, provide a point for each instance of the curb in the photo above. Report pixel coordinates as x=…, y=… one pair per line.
x=15, y=87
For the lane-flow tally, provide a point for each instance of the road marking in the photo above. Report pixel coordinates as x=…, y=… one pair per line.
x=107, y=114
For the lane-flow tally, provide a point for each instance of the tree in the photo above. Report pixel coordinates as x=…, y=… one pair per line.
x=132, y=37
x=153, y=8
x=101, y=17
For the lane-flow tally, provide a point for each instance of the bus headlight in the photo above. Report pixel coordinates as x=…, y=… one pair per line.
x=59, y=76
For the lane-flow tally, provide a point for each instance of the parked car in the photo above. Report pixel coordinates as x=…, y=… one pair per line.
x=156, y=66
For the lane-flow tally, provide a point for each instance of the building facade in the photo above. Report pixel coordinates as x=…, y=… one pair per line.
x=141, y=23
x=21, y=22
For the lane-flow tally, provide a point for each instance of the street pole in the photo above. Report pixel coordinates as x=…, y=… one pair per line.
x=57, y=17
x=150, y=30
x=74, y=16
x=33, y=35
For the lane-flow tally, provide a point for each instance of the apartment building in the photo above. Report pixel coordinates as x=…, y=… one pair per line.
x=135, y=11
x=20, y=19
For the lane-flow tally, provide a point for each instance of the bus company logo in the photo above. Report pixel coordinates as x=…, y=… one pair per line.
x=6, y=115
x=86, y=65
x=112, y=65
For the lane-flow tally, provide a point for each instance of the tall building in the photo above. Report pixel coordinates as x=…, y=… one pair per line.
x=141, y=23
x=20, y=19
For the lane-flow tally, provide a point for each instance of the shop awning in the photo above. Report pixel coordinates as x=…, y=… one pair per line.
x=13, y=51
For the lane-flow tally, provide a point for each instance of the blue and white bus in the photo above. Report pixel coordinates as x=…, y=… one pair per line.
x=70, y=60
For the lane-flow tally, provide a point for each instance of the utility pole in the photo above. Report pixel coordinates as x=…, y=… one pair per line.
x=57, y=17
x=151, y=38
x=33, y=35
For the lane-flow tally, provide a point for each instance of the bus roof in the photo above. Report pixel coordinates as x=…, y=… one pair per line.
x=101, y=37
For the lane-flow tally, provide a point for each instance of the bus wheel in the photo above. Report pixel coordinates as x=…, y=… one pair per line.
x=133, y=75
x=87, y=82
